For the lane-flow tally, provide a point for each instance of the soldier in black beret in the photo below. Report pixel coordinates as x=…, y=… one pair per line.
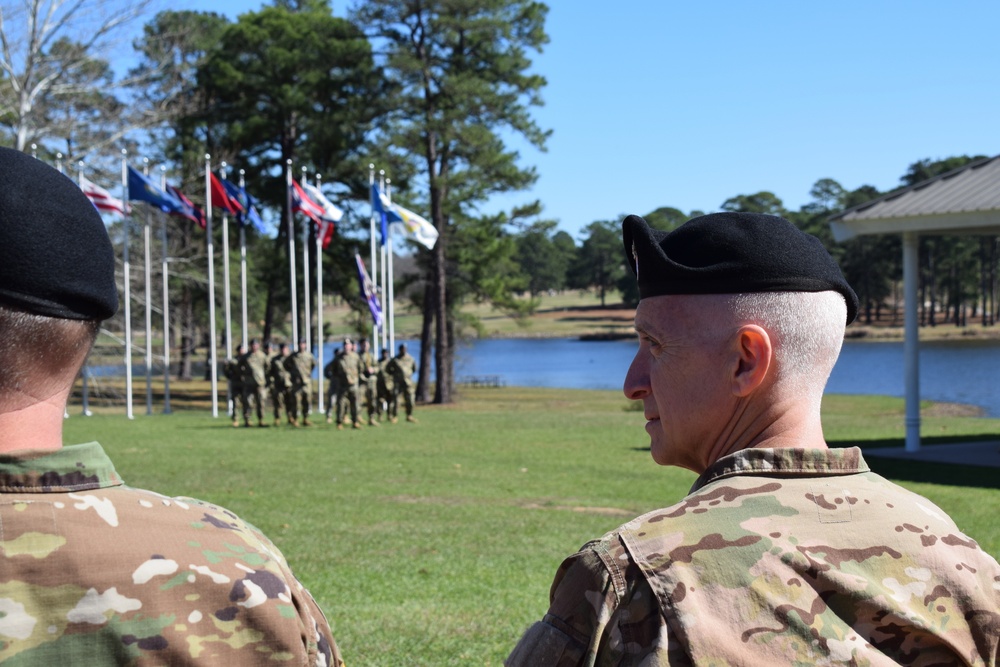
x=785, y=551
x=92, y=568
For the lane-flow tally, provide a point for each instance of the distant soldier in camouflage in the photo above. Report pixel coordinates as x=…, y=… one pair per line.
x=232, y=373
x=403, y=367
x=386, y=388
x=300, y=365
x=253, y=370
x=94, y=572
x=280, y=381
x=333, y=385
x=348, y=371
x=369, y=380
x=785, y=552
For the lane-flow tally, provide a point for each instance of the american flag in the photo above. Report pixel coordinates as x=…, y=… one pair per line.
x=101, y=198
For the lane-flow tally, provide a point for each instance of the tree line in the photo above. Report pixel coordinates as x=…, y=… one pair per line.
x=958, y=275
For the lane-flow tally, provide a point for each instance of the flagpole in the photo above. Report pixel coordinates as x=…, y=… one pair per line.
x=319, y=304
x=212, y=356
x=59, y=167
x=83, y=372
x=388, y=327
x=147, y=241
x=128, y=292
x=225, y=271
x=381, y=293
x=166, y=303
x=243, y=264
x=291, y=252
x=307, y=321
x=391, y=314
x=371, y=199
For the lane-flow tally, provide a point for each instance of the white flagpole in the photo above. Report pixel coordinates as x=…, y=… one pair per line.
x=128, y=292
x=166, y=303
x=391, y=315
x=381, y=292
x=319, y=302
x=212, y=347
x=243, y=265
x=84, y=373
x=225, y=271
x=388, y=326
x=59, y=167
x=371, y=198
x=307, y=322
x=291, y=252
x=147, y=242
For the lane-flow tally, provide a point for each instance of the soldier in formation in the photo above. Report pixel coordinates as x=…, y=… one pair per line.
x=403, y=367
x=96, y=572
x=333, y=385
x=253, y=371
x=785, y=552
x=369, y=381
x=280, y=380
x=231, y=371
x=348, y=371
x=300, y=365
x=385, y=388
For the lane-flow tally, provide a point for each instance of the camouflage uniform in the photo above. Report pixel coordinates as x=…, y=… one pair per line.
x=281, y=387
x=253, y=370
x=333, y=386
x=98, y=573
x=300, y=365
x=348, y=370
x=386, y=389
x=777, y=557
x=231, y=370
x=369, y=376
x=403, y=366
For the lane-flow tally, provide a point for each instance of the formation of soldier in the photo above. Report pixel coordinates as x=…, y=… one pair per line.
x=358, y=384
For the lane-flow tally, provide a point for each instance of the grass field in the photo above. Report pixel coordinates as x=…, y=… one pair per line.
x=435, y=543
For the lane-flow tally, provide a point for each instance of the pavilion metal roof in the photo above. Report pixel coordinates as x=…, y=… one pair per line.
x=962, y=201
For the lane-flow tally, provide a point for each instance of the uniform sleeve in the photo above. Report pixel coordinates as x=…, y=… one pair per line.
x=574, y=630
x=602, y=612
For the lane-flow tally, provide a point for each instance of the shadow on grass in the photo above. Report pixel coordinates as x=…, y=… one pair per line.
x=928, y=472
x=935, y=472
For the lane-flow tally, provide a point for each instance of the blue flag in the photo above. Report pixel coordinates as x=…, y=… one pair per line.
x=140, y=188
x=249, y=215
x=386, y=211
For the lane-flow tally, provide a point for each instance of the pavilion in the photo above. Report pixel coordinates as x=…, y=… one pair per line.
x=964, y=201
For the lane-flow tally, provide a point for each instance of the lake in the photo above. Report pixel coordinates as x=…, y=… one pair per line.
x=960, y=372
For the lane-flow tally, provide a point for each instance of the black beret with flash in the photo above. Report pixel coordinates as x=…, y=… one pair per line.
x=731, y=253
x=56, y=258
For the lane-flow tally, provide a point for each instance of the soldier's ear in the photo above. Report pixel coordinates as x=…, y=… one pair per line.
x=754, y=354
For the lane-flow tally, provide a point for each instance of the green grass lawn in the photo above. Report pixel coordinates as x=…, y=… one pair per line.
x=435, y=543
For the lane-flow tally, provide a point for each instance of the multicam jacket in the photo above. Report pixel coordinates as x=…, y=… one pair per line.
x=97, y=573
x=300, y=365
x=777, y=557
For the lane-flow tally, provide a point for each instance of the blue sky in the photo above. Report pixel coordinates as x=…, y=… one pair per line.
x=685, y=104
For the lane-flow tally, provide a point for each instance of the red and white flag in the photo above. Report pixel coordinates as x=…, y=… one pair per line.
x=101, y=198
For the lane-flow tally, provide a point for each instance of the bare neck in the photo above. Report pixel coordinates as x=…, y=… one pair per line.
x=32, y=424
x=783, y=424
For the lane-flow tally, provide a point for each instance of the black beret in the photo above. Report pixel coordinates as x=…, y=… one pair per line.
x=55, y=255
x=731, y=253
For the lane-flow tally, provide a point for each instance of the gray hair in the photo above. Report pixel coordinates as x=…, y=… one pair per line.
x=806, y=329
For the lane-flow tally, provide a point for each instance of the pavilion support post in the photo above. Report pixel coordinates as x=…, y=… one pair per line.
x=911, y=341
